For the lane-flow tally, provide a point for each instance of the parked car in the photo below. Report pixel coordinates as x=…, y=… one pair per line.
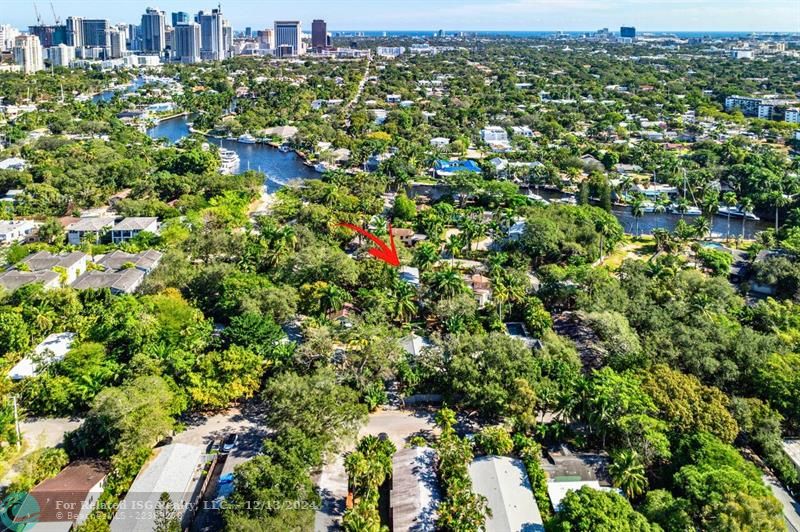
x=230, y=443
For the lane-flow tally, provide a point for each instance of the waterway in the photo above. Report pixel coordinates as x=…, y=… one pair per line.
x=280, y=168
x=666, y=220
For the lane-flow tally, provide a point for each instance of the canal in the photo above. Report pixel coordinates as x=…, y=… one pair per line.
x=280, y=168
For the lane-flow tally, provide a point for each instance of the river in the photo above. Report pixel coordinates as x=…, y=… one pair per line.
x=279, y=167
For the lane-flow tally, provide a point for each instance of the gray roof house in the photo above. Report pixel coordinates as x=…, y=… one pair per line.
x=176, y=469
x=73, y=263
x=415, y=493
x=119, y=282
x=504, y=483
x=145, y=260
x=132, y=226
x=13, y=279
x=93, y=225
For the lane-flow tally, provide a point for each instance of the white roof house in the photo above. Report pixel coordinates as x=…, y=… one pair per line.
x=15, y=230
x=415, y=494
x=516, y=231
x=176, y=469
x=440, y=142
x=409, y=274
x=53, y=349
x=504, y=483
x=13, y=163
x=413, y=344
x=559, y=489
x=494, y=134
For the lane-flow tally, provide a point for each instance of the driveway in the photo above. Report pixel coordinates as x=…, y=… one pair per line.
x=38, y=434
x=791, y=508
x=399, y=426
x=247, y=421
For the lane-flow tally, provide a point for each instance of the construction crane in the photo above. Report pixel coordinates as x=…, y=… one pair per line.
x=55, y=17
x=38, y=17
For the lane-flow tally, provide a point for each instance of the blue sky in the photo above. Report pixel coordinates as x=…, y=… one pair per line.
x=654, y=15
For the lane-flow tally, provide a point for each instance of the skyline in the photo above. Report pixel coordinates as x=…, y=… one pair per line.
x=451, y=15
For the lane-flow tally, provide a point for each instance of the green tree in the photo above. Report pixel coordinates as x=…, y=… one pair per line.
x=628, y=473
x=588, y=510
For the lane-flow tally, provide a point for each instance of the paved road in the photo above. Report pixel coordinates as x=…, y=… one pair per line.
x=248, y=423
x=38, y=434
x=791, y=508
x=399, y=426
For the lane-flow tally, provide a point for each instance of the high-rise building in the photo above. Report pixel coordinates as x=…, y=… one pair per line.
x=153, y=37
x=288, y=37
x=7, y=36
x=134, y=37
x=227, y=40
x=319, y=34
x=28, y=53
x=119, y=45
x=265, y=39
x=181, y=17
x=61, y=55
x=248, y=32
x=212, y=35
x=96, y=33
x=49, y=35
x=186, y=42
x=74, y=31
x=627, y=32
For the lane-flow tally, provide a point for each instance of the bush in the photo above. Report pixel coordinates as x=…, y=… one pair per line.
x=495, y=441
x=38, y=466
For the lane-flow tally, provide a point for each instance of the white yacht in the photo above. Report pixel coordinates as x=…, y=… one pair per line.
x=284, y=148
x=736, y=212
x=229, y=161
x=691, y=210
x=247, y=138
x=322, y=167
x=537, y=197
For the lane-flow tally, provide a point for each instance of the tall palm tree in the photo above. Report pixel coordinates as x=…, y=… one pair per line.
x=426, y=254
x=500, y=294
x=403, y=301
x=454, y=245
x=628, y=473
x=333, y=298
x=746, y=205
x=780, y=200
x=729, y=199
x=447, y=282
x=637, y=210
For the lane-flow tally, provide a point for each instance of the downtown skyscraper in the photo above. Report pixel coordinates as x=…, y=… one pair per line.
x=154, y=39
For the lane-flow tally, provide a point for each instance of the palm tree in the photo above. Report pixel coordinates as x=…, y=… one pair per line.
x=780, y=200
x=746, y=205
x=628, y=473
x=403, y=301
x=333, y=298
x=710, y=207
x=454, y=245
x=729, y=199
x=500, y=294
x=426, y=254
x=447, y=282
x=637, y=210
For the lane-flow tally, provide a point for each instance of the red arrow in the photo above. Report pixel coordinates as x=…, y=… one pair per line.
x=383, y=251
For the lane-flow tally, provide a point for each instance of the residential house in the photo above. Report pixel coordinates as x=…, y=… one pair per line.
x=132, y=226
x=145, y=261
x=95, y=227
x=283, y=132
x=410, y=275
x=71, y=264
x=67, y=499
x=13, y=279
x=567, y=471
x=415, y=495
x=414, y=345
x=13, y=163
x=499, y=165
x=118, y=282
x=16, y=230
x=516, y=231
x=52, y=349
x=440, y=142
x=393, y=98
x=522, y=131
x=12, y=195
x=343, y=316
x=444, y=168
x=505, y=484
x=404, y=235
x=481, y=287
x=177, y=469
x=494, y=134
